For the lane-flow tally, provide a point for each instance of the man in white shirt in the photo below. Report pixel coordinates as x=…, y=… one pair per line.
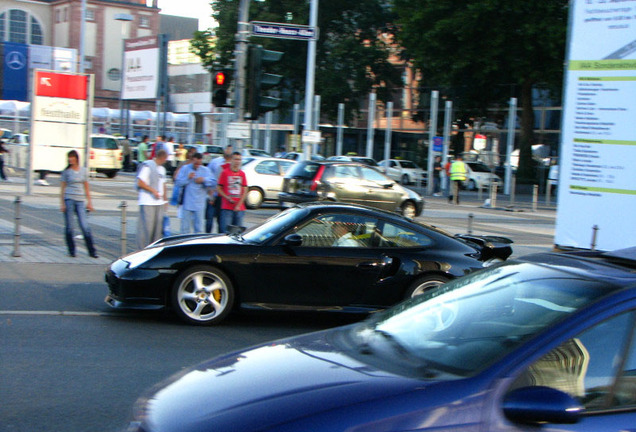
x=151, y=183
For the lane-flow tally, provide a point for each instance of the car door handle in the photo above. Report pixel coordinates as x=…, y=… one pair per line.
x=374, y=265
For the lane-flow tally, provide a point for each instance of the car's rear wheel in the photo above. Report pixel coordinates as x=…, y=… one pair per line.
x=408, y=210
x=254, y=198
x=202, y=295
x=424, y=284
x=111, y=173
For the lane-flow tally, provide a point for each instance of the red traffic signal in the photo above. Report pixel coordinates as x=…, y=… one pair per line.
x=219, y=79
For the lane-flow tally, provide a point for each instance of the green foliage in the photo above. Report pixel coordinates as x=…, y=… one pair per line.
x=352, y=55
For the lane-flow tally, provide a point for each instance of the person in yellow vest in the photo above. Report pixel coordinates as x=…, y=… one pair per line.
x=457, y=177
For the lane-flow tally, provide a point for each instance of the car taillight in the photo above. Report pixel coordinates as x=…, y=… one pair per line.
x=92, y=154
x=316, y=182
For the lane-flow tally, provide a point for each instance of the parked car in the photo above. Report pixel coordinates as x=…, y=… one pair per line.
x=542, y=343
x=209, y=152
x=252, y=152
x=105, y=155
x=359, y=159
x=294, y=261
x=403, y=171
x=264, y=179
x=347, y=182
x=299, y=156
x=479, y=176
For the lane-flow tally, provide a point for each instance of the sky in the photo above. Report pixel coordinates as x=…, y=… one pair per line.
x=200, y=9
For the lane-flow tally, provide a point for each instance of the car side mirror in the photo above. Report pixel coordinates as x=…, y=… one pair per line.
x=539, y=404
x=293, y=240
x=388, y=185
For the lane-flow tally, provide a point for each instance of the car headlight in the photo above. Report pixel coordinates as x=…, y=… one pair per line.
x=138, y=258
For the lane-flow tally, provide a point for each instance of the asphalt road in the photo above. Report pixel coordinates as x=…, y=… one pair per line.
x=69, y=363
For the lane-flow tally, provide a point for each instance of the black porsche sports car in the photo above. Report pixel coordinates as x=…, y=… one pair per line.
x=315, y=256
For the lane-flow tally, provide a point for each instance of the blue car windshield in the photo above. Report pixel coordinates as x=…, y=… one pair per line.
x=468, y=324
x=275, y=225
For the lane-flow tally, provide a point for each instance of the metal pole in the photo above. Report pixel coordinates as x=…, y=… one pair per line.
x=535, y=197
x=370, y=125
x=296, y=126
x=448, y=113
x=16, y=235
x=311, y=74
x=470, y=223
x=82, y=42
x=124, y=246
x=341, y=108
x=595, y=229
x=513, y=188
x=389, y=131
x=240, y=54
x=268, y=132
x=510, y=142
x=316, y=116
x=493, y=195
x=431, y=133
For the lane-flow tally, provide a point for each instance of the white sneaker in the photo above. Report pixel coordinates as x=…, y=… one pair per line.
x=42, y=182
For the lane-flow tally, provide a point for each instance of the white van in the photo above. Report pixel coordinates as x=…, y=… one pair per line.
x=105, y=156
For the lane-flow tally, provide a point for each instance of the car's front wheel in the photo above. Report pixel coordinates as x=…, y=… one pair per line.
x=254, y=198
x=202, y=295
x=405, y=180
x=472, y=185
x=424, y=284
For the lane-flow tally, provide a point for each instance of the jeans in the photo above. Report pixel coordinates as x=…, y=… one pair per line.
x=79, y=208
x=230, y=217
x=191, y=220
x=213, y=211
x=4, y=177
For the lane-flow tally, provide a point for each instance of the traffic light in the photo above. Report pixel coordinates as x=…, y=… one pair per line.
x=220, y=87
x=259, y=80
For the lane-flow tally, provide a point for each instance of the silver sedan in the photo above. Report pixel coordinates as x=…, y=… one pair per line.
x=264, y=179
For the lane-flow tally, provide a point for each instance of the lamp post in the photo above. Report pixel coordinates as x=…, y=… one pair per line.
x=124, y=18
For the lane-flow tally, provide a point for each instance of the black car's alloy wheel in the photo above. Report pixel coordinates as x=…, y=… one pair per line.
x=425, y=284
x=202, y=295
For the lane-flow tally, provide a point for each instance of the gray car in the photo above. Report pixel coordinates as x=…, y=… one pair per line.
x=264, y=179
x=348, y=182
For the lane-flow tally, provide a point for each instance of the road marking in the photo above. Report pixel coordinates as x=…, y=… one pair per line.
x=56, y=313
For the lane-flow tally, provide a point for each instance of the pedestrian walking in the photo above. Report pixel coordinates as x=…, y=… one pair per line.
x=195, y=179
x=74, y=189
x=457, y=177
x=3, y=151
x=213, y=206
x=142, y=150
x=232, y=189
x=126, y=153
x=437, y=176
x=151, y=183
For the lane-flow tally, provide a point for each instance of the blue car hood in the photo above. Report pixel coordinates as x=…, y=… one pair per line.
x=268, y=386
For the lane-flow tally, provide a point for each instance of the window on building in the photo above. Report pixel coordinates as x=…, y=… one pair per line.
x=90, y=15
x=144, y=21
x=18, y=26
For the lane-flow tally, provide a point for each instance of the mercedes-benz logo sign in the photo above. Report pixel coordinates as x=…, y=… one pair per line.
x=15, y=60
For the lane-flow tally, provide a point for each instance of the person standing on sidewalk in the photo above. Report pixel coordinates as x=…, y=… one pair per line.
x=142, y=150
x=457, y=177
x=195, y=179
x=151, y=183
x=126, y=153
x=437, y=176
x=213, y=206
x=73, y=189
x=3, y=151
x=232, y=189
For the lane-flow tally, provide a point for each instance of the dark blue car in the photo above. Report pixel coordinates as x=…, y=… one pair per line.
x=542, y=343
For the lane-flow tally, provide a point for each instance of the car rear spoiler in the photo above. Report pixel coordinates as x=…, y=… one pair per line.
x=490, y=246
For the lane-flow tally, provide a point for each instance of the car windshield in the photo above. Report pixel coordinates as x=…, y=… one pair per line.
x=367, y=161
x=305, y=170
x=479, y=167
x=470, y=323
x=275, y=225
x=104, y=143
x=408, y=164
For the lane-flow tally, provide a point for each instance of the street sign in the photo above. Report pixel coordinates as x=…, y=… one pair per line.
x=283, y=31
x=238, y=130
x=438, y=144
x=311, y=137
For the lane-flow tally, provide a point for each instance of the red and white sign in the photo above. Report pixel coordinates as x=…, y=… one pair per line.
x=60, y=85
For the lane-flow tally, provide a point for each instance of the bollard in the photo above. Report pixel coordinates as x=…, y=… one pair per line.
x=124, y=246
x=513, y=187
x=493, y=195
x=479, y=190
x=455, y=192
x=594, y=234
x=535, y=197
x=470, y=223
x=16, y=235
x=548, y=188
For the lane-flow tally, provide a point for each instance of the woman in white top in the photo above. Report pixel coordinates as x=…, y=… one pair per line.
x=74, y=188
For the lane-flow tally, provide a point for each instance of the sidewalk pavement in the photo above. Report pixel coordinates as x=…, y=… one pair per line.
x=437, y=211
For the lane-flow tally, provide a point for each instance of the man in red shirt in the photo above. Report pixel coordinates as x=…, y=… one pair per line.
x=232, y=188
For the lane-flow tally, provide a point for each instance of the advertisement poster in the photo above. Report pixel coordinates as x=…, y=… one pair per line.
x=141, y=68
x=597, y=182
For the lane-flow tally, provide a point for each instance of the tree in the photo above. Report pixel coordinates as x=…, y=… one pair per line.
x=352, y=55
x=482, y=52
